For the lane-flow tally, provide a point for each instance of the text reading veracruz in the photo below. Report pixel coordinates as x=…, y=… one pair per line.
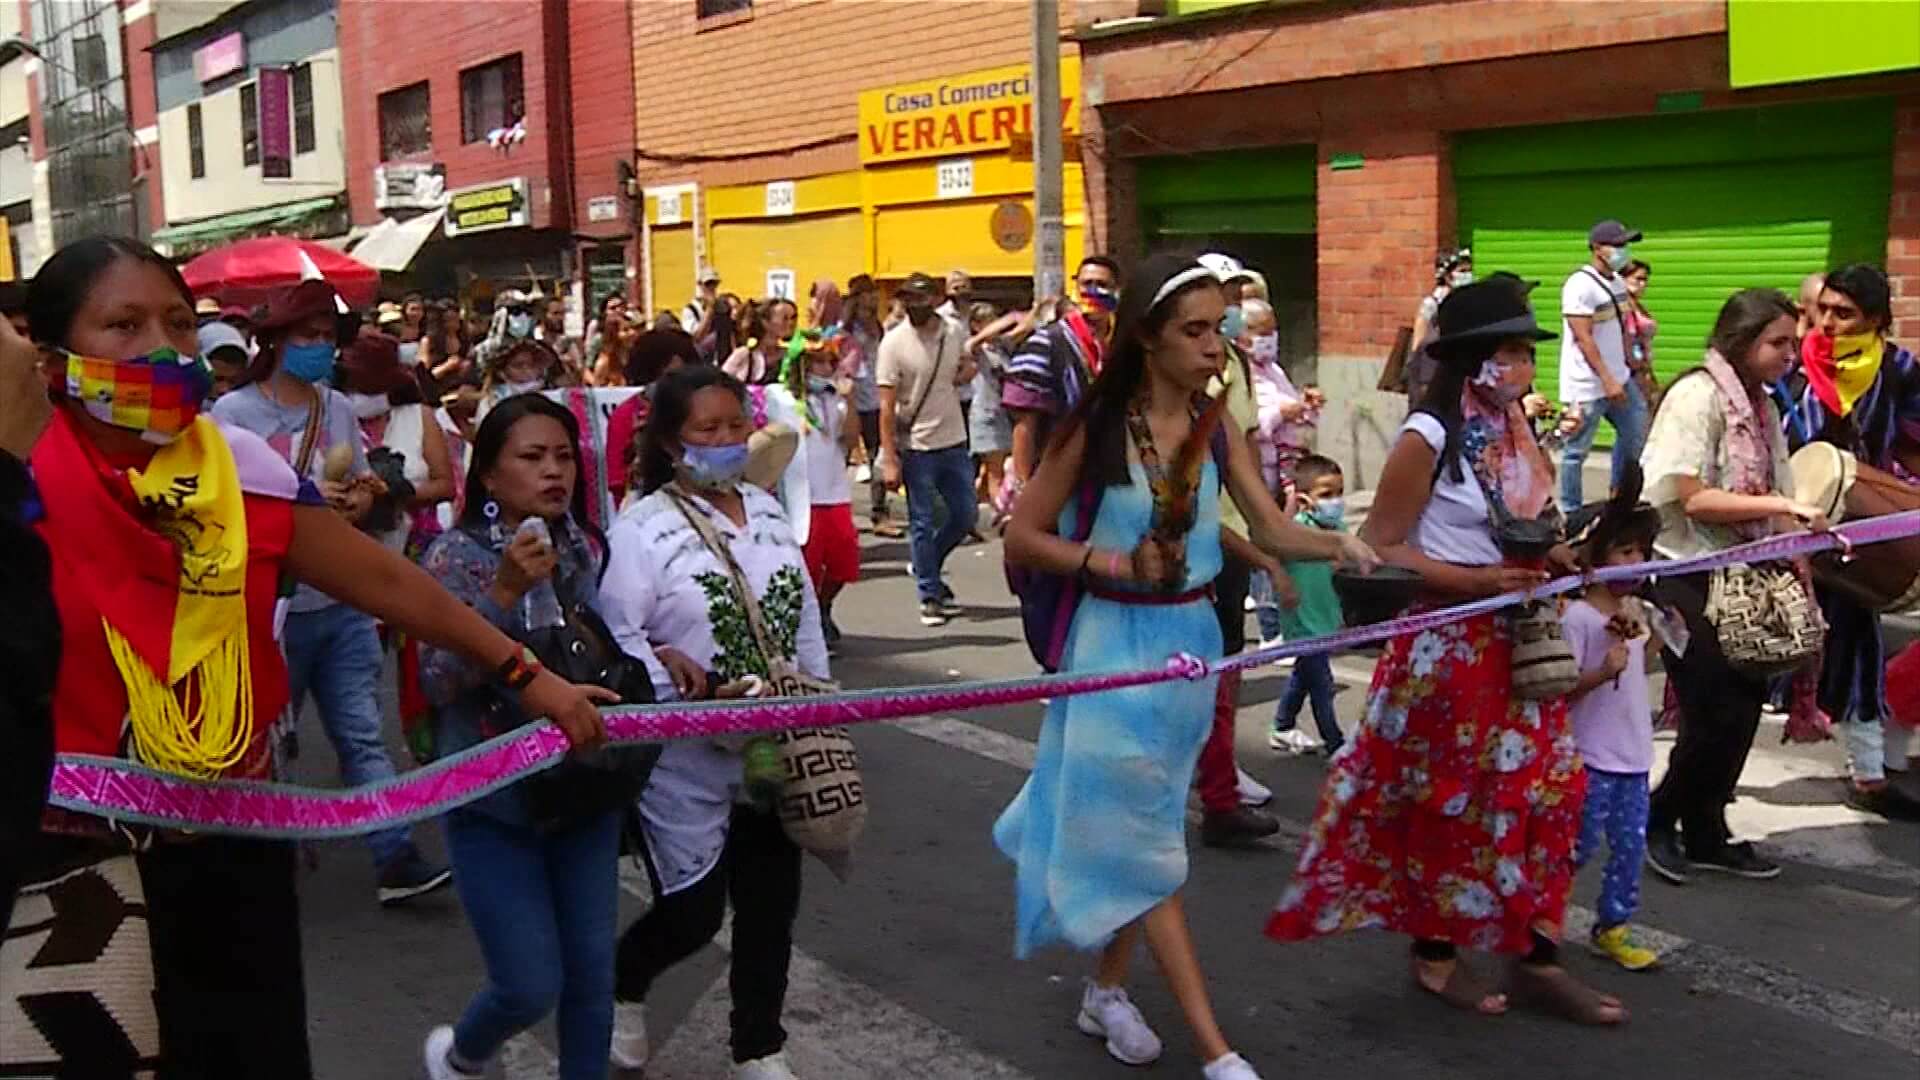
x=958, y=114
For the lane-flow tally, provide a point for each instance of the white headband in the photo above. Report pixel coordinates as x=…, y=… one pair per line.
x=1180, y=281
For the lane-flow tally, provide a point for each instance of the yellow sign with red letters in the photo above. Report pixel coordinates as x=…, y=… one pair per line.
x=958, y=115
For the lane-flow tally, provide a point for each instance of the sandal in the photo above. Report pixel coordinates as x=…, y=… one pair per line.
x=1462, y=989
x=1552, y=989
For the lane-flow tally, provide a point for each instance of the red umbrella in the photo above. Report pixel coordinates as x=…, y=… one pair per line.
x=250, y=272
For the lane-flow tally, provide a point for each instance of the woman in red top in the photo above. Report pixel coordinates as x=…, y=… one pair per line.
x=169, y=537
x=654, y=353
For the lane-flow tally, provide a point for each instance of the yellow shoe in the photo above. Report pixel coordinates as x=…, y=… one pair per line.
x=1614, y=944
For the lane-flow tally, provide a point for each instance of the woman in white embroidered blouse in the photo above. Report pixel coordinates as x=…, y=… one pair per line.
x=669, y=600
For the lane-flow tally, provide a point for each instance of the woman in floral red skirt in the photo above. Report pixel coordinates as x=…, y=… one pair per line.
x=1452, y=817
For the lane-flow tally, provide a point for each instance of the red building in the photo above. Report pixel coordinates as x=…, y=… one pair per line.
x=466, y=154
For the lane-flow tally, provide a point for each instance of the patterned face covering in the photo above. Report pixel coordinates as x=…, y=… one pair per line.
x=157, y=395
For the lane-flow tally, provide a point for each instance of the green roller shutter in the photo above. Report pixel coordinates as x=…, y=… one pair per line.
x=1728, y=200
x=1238, y=191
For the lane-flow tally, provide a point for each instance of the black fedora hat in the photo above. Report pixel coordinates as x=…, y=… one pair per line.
x=1486, y=312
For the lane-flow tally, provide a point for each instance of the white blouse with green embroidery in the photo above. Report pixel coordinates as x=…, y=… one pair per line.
x=664, y=588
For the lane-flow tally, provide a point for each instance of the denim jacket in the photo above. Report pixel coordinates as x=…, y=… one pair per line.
x=464, y=562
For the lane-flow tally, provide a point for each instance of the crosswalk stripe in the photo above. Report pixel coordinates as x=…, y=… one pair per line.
x=1711, y=966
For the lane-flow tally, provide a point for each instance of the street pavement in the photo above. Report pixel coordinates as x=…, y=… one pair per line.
x=907, y=970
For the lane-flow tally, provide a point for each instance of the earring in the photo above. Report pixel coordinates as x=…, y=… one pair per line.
x=490, y=510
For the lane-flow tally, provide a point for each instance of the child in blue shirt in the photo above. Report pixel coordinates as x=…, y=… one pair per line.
x=1322, y=505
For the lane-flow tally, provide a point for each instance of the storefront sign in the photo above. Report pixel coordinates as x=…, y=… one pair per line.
x=1012, y=225
x=780, y=198
x=666, y=209
x=779, y=285
x=603, y=208
x=276, y=123
x=409, y=187
x=221, y=56
x=961, y=114
x=488, y=206
x=954, y=179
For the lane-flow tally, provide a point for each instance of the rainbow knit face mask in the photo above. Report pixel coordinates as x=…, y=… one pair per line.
x=157, y=395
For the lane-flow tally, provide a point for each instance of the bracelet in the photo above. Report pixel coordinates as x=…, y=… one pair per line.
x=518, y=671
x=1113, y=565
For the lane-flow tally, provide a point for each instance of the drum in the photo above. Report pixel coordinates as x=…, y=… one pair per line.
x=1886, y=576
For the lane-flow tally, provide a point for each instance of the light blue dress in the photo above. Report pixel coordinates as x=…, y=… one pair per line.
x=1099, y=832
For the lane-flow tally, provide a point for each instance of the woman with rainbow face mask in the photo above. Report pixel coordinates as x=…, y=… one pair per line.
x=169, y=535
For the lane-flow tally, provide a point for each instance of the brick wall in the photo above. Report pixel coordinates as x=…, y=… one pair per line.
x=1903, y=224
x=600, y=77
x=1379, y=226
x=386, y=45
x=1326, y=41
x=792, y=74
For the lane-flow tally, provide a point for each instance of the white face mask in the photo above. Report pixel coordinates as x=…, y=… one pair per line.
x=368, y=406
x=1460, y=278
x=1266, y=348
x=532, y=386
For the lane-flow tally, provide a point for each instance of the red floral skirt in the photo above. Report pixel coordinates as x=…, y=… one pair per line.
x=1453, y=814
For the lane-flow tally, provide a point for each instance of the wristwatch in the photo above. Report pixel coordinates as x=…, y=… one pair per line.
x=519, y=670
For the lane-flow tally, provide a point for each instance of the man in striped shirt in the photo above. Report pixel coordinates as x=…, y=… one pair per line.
x=1052, y=369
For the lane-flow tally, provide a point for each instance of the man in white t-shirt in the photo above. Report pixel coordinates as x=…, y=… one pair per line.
x=923, y=435
x=1595, y=380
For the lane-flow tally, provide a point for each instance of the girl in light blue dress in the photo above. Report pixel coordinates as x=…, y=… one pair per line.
x=1098, y=833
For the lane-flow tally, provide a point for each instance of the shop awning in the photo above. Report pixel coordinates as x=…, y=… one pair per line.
x=299, y=218
x=391, y=245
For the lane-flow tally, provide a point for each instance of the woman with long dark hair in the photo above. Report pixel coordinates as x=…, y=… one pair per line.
x=541, y=894
x=1716, y=469
x=655, y=354
x=170, y=535
x=1451, y=817
x=1098, y=833
x=680, y=558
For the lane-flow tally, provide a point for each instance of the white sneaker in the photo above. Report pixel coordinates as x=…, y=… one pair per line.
x=438, y=1051
x=629, y=1049
x=771, y=1067
x=1292, y=741
x=1108, y=1013
x=1229, y=1066
x=1252, y=792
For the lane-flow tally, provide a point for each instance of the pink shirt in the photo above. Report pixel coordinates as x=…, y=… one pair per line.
x=1613, y=723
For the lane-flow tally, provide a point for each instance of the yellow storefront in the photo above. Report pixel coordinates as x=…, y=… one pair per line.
x=778, y=238
x=948, y=177
x=670, y=265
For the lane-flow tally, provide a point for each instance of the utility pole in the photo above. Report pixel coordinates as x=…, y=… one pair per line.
x=1049, y=231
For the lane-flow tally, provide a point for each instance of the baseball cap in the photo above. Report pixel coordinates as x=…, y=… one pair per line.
x=206, y=305
x=1226, y=267
x=219, y=335
x=1611, y=233
x=709, y=275
x=922, y=283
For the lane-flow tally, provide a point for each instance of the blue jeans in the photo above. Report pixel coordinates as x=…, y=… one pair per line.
x=335, y=652
x=1616, y=810
x=1630, y=422
x=1312, y=680
x=545, y=906
x=1266, y=610
x=948, y=476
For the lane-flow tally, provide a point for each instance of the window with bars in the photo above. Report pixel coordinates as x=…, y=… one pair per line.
x=490, y=97
x=196, y=143
x=708, y=9
x=250, y=124
x=304, y=137
x=406, y=126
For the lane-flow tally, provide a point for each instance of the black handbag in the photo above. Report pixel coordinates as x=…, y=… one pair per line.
x=587, y=783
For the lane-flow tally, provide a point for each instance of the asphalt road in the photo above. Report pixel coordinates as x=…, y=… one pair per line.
x=907, y=970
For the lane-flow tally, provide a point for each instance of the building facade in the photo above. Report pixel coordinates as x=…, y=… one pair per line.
x=90, y=125
x=1339, y=146
x=249, y=116
x=896, y=138
x=20, y=252
x=460, y=142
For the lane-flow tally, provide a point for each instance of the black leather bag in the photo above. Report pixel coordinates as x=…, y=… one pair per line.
x=594, y=782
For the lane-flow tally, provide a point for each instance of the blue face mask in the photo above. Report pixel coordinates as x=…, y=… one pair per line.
x=819, y=384
x=1329, y=513
x=309, y=363
x=1620, y=258
x=1233, y=323
x=519, y=325
x=713, y=468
